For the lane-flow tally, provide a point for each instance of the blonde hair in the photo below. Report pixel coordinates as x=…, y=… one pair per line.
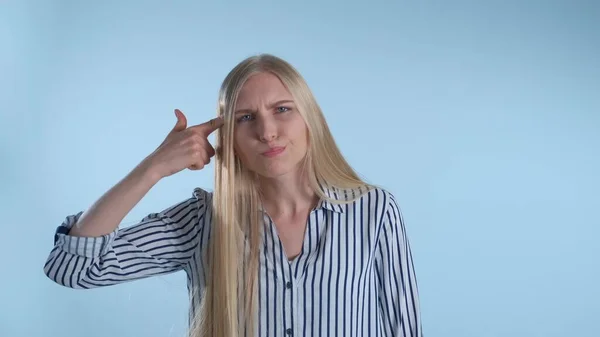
x=227, y=309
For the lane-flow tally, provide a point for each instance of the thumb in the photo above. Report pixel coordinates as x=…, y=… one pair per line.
x=181, y=121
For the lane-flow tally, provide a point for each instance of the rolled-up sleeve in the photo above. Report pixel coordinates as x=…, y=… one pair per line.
x=398, y=291
x=160, y=243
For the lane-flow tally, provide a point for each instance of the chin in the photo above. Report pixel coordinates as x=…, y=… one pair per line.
x=274, y=172
x=275, y=169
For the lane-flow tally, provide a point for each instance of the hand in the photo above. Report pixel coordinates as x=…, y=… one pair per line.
x=184, y=147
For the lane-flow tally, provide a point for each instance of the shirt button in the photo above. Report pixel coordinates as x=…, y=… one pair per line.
x=288, y=285
x=288, y=331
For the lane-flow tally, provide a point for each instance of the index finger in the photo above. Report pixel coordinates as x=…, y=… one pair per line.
x=208, y=127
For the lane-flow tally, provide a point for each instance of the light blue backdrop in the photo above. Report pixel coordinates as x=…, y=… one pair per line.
x=483, y=117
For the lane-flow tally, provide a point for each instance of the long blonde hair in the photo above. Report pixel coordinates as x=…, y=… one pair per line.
x=227, y=309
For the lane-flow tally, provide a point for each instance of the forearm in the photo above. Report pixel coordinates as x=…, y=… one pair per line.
x=105, y=215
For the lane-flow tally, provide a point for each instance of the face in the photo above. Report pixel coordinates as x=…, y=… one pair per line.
x=271, y=138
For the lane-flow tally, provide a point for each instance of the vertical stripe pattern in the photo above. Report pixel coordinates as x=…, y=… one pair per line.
x=354, y=275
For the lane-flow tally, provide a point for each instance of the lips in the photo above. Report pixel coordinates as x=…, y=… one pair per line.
x=274, y=151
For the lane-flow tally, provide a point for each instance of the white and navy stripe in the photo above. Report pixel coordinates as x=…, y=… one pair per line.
x=353, y=277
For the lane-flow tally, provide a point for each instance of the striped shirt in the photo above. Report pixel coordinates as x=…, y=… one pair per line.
x=354, y=275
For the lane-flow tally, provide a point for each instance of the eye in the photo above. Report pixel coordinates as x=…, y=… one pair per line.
x=282, y=109
x=245, y=118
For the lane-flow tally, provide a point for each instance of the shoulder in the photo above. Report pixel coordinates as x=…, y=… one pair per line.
x=202, y=200
x=196, y=205
x=389, y=221
x=377, y=198
x=202, y=195
x=376, y=201
x=383, y=203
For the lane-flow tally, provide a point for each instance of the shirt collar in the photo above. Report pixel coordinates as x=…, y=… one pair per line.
x=335, y=194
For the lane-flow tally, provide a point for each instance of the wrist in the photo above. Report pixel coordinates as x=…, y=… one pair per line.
x=148, y=172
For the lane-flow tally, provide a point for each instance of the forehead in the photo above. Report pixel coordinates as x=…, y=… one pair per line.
x=262, y=88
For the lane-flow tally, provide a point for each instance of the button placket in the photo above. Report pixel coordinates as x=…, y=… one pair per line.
x=289, y=295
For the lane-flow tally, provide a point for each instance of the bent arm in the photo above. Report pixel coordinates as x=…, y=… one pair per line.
x=160, y=243
x=105, y=215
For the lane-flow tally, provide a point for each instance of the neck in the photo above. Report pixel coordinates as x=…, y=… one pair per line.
x=287, y=195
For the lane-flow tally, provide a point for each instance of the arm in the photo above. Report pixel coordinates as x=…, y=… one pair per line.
x=105, y=215
x=89, y=250
x=160, y=243
x=398, y=292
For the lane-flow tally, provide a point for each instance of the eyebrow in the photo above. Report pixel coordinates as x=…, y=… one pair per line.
x=272, y=105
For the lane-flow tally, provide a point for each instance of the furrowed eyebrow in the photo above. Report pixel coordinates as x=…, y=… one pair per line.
x=280, y=102
x=241, y=111
x=272, y=105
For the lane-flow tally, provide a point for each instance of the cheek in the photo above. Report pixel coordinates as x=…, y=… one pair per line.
x=299, y=132
x=238, y=143
x=242, y=145
x=292, y=125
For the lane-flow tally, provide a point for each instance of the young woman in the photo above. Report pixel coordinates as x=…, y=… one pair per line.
x=291, y=243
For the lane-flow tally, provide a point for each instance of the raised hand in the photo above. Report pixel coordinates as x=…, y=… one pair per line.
x=184, y=147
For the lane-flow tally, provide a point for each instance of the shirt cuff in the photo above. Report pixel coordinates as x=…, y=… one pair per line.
x=81, y=246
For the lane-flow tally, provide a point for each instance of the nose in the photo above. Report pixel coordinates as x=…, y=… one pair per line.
x=267, y=129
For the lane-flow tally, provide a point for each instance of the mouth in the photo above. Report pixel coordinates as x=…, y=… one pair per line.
x=275, y=151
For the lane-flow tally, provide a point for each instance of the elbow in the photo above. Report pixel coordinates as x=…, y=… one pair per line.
x=64, y=269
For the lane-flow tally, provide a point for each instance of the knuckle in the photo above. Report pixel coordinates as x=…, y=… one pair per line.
x=196, y=140
x=196, y=155
x=196, y=147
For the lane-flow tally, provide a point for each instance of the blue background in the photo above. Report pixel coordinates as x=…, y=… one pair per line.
x=482, y=117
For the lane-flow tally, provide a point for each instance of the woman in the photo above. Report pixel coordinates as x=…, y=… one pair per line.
x=291, y=243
